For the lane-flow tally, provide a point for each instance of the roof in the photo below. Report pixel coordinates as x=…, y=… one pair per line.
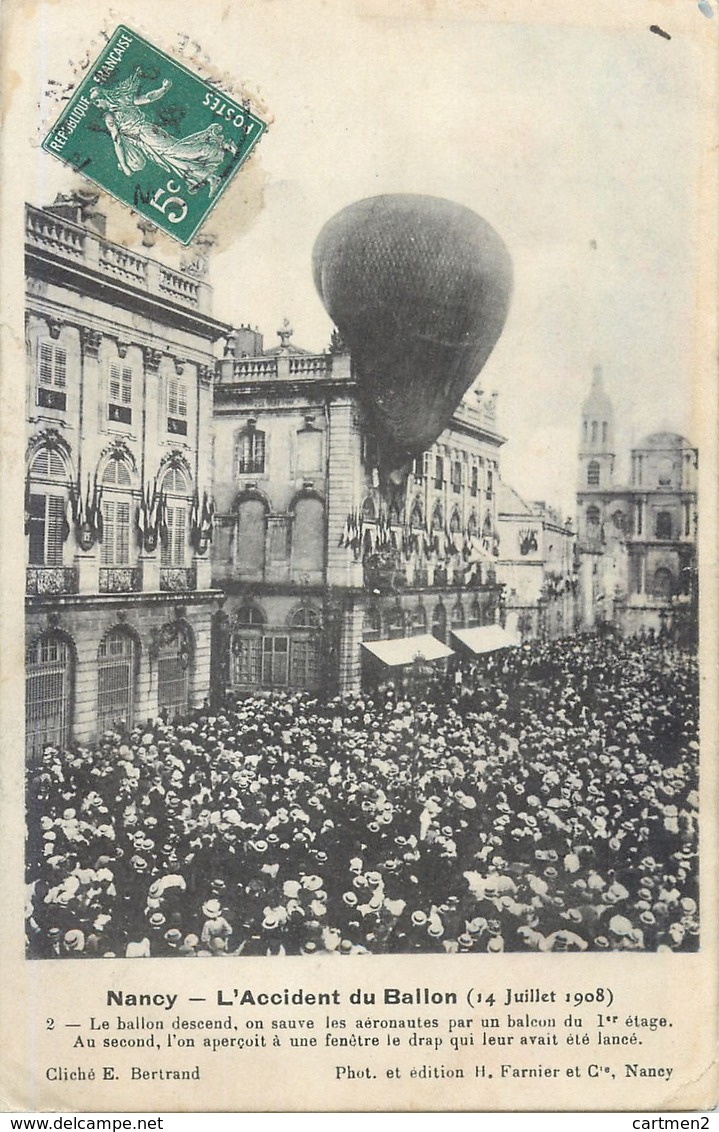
x=510, y=502
x=486, y=638
x=405, y=650
x=665, y=440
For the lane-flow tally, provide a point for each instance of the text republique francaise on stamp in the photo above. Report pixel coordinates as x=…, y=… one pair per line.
x=153, y=134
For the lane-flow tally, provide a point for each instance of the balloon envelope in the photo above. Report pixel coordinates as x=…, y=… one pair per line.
x=419, y=289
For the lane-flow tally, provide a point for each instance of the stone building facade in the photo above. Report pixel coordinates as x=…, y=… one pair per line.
x=637, y=539
x=120, y=367
x=314, y=554
x=537, y=564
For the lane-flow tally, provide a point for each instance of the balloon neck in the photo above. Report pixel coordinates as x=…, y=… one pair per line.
x=394, y=467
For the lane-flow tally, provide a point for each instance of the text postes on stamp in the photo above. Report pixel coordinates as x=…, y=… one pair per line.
x=154, y=135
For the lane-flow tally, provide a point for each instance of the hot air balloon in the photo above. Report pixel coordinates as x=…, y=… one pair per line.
x=419, y=289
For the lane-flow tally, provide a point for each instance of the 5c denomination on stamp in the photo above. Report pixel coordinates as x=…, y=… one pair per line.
x=153, y=134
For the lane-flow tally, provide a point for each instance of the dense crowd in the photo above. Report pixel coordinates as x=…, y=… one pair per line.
x=547, y=803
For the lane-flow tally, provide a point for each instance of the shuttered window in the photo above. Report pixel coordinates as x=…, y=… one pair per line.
x=119, y=406
x=116, y=534
x=173, y=550
x=51, y=376
x=47, y=528
x=177, y=406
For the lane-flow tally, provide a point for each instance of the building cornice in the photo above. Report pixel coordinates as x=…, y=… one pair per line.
x=58, y=269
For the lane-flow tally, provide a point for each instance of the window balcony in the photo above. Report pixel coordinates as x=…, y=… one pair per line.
x=42, y=580
x=119, y=579
x=51, y=399
x=176, y=579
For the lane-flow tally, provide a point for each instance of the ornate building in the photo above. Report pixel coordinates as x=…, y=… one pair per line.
x=637, y=541
x=537, y=566
x=120, y=365
x=315, y=557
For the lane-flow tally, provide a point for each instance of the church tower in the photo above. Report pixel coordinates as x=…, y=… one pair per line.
x=596, y=444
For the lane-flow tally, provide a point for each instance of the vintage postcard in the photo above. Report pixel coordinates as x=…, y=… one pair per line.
x=359, y=495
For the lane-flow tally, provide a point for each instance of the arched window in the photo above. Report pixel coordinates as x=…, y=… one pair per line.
x=472, y=525
x=593, y=471
x=437, y=518
x=250, y=536
x=174, y=669
x=458, y=615
x=305, y=648
x=368, y=509
x=664, y=524
x=246, y=647
x=117, y=661
x=618, y=520
x=249, y=615
x=372, y=630
x=593, y=516
x=175, y=488
x=487, y=525
x=416, y=518
x=49, y=671
x=455, y=523
x=46, y=505
x=116, y=513
x=308, y=538
x=396, y=623
x=419, y=621
x=663, y=582
x=439, y=622
x=251, y=451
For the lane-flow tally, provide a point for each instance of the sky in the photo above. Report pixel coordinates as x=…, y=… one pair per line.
x=580, y=146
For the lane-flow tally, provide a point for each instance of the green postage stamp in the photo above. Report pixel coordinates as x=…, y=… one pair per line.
x=155, y=136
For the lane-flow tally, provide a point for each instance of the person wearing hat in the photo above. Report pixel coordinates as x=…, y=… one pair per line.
x=215, y=925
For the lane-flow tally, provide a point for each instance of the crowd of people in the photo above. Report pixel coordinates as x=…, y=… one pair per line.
x=547, y=803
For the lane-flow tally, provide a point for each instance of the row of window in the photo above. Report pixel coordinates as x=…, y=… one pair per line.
x=48, y=516
x=416, y=518
x=421, y=471
x=251, y=451
x=120, y=379
x=51, y=672
x=398, y=622
x=663, y=524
